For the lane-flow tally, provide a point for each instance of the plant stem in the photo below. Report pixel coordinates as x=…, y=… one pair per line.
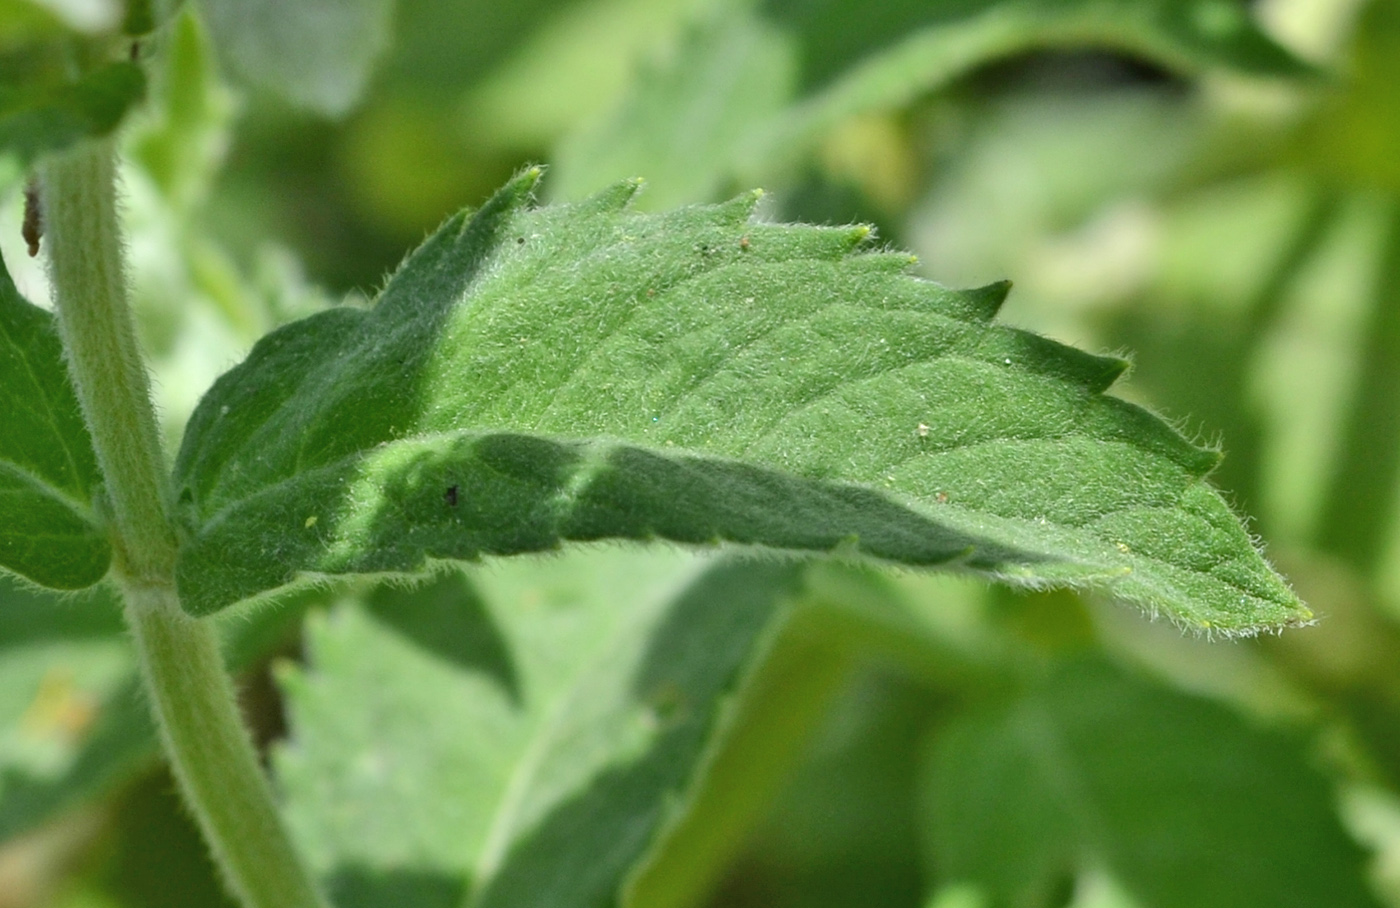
x=213, y=757
x=208, y=747
x=99, y=337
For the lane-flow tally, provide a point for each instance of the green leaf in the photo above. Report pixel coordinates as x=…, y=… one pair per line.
x=532, y=376
x=48, y=472
x=1180, y=800
x=758, y=85
x=531, y=755
x=43, y=117
x=315, y=53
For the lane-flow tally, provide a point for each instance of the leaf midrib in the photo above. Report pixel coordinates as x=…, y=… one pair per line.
x=74, y=475
x=43, y=487
x=351, y=461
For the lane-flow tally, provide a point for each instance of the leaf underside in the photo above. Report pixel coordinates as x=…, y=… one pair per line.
x=316, y=53
x=532, y=376
x=48, y=472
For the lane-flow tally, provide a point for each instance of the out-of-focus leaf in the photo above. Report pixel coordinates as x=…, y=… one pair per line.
x=49, y=18
x=687, y=125
x=49, y=532
x=846, y=618
x=152, y=855
x=22, y=21
x=755, y=89
x=315, y=53
x=1355, y=138
x=532, y=753
x=570, y=70
x=533, y=376
x=72, y=720
x=41, y=118
x=74, y=723
x=843, y=831
x=145, y=16
x=1361, y=505
x=181, y=143
x=1177, y=798
x=442, y=48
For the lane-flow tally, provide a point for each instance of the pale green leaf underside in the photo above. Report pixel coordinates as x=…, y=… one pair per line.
x=537, y=375
x=48, y=472
x=532, y=753
x=315, y=53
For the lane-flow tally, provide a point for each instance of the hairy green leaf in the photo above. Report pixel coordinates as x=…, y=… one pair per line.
x=757, y=85
x=48, y=472
x=520, y=745
x=1176, y=797
x=315, y=53
x=532, y=376
x=45, y=117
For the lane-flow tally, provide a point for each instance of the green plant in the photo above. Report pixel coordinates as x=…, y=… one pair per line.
x=788, y=402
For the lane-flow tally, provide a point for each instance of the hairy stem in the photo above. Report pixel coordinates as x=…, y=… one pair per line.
x=99, y=337
x=212, y=755
x=205, y=740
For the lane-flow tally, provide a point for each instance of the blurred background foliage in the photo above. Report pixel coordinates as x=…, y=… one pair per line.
x=911, y=740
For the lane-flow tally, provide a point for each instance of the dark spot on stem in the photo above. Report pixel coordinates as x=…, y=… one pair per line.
x=33, y=227
x=450, y=496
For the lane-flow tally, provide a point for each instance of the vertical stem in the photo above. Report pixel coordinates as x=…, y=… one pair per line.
x=99, y=337
x=208, y=747
x=212, y=755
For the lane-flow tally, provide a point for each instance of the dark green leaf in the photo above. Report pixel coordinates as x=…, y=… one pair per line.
x=532, y=376
x=41, y=118
x=49, y=532
x=1176, y=797
x=532, y=755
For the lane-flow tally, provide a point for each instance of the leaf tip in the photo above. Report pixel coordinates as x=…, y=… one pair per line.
x=1108, y=369
x=740, y=209
x=1208, y=459
x=524, y=183
x=988, y=300
x=617, y=197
